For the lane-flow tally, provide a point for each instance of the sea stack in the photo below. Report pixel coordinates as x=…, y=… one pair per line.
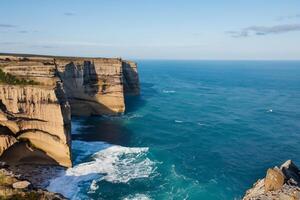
x=38, y=95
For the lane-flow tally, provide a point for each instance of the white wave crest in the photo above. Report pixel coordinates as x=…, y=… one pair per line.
x=112, y=163
x=168, y=91
x=137, y=197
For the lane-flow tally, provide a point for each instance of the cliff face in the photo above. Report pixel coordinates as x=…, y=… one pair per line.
x=93, y=87
x=131, y=78
x=35, y=118
x=35, y=125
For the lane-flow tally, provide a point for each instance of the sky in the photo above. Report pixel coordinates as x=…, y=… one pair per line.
x=153, y=29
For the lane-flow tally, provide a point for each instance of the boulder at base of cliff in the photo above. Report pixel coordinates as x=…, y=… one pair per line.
x=21, y=185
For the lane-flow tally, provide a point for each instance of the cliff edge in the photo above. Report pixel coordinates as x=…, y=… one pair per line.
x=280, y=183
x=38, y=95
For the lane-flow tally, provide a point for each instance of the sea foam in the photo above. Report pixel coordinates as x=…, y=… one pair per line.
x=111, y=163
x=137, y=197
x=168, y=91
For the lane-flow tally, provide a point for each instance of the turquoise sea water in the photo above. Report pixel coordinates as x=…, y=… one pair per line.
x=200, y=130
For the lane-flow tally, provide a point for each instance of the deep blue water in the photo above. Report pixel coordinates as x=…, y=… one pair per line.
x=200, y=130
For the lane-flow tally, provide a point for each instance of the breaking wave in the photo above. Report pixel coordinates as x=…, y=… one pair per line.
x=112, y=163
x=137, y=197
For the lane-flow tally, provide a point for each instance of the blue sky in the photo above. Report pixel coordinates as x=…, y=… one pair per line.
x=153, y=29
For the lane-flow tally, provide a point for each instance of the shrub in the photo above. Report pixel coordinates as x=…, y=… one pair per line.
x=13, y=80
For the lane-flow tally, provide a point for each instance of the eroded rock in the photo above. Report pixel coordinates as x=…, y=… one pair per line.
x=274, y=179
x=279, y=184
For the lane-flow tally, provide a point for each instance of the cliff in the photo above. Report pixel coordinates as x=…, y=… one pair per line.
x=38, y=95
x=280, y=183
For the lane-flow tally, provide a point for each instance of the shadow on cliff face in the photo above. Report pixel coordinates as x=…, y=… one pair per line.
x=82, y=84
x=71, y=78
x=105, y=129
x=90, y=78
x=22, y=153
x=131, y=83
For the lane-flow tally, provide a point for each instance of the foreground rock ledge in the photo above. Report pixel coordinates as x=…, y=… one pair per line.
x=12, y=187
x=280, y=183
x=38, y=95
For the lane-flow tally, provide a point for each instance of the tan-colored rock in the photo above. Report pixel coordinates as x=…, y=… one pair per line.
x=93, y=86
x=37, y=118
x=36, y=109
x=5, y=142
x=10, y=126
x=279, y=184
x=50, y=144
x=274, y=180
x=21, y=185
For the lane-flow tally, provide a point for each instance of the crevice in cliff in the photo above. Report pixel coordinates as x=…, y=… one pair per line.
x=4, y=130
x=3, y=107
x=55, y=137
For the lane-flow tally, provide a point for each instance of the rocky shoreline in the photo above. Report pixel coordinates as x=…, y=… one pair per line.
x=280, y=183
x=15, y=186
x=38, y=96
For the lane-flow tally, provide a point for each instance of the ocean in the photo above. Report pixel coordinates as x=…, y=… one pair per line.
x=200, y=130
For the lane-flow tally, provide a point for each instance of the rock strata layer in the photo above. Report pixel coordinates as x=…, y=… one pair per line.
x=280, y=183
x=35, y=119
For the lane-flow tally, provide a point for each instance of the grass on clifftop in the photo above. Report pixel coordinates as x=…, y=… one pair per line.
x=13, y=80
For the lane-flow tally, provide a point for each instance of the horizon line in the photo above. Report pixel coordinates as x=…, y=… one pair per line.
x=132, y=58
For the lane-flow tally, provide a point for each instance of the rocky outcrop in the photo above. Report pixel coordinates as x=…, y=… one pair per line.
x=12, y=187
x=41, y=93
x=279, y=184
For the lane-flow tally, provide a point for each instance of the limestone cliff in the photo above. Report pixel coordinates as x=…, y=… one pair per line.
x=35, y=115
x=280, y=183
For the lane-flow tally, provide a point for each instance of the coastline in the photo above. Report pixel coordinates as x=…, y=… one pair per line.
x=38, y=96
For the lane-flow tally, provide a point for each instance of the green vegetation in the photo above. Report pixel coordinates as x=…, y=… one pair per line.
x=13, y=80
x=22, y=196
x=5, y=180
x=27, y=195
